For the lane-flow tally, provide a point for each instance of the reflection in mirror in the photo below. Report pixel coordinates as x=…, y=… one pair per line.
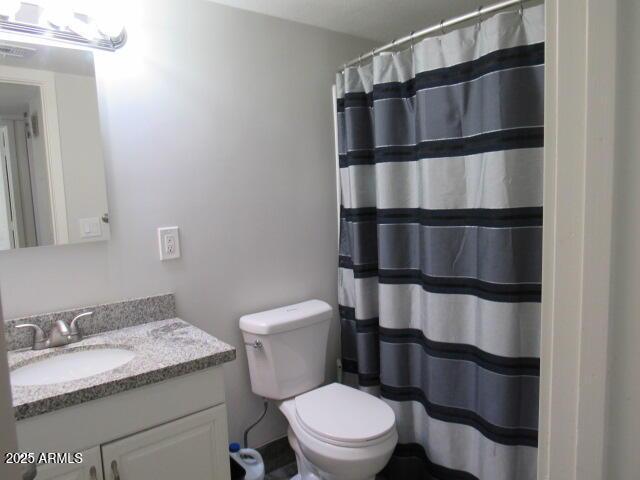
x=52, y=182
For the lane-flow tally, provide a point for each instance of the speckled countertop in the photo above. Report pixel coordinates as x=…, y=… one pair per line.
x=164, y=349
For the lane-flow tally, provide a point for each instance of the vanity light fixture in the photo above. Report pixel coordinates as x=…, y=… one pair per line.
x=58, y=13
x=96, y=26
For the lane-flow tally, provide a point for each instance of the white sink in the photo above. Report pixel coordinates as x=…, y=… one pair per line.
x=72, y=365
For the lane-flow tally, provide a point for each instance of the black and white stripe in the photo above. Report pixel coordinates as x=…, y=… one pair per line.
x=440, y=245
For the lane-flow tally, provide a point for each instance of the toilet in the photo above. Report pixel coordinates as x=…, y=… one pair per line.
x=336, y=432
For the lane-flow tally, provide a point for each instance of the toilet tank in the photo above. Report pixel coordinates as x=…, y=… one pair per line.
x=286, y=348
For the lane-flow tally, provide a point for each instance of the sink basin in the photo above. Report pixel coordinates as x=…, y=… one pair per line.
x=71, y=365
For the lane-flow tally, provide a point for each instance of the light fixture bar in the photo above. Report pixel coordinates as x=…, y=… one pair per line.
x=109, y=44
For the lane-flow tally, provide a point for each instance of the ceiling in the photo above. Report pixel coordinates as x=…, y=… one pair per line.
x=377, y=20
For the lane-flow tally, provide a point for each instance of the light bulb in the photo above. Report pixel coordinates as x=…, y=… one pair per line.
x=9, y=8
x=109, y=24
x=86, y=30
x=105, y=14
x=59, y=13
x=84, y=7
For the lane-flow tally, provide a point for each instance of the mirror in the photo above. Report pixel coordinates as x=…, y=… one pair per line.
x=52, y=180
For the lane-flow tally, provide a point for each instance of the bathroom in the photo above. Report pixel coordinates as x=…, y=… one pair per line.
x=226, y=120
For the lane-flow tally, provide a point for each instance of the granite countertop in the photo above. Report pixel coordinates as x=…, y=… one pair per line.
x=163, y=349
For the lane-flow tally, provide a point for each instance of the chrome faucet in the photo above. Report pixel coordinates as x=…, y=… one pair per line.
x=60, y=334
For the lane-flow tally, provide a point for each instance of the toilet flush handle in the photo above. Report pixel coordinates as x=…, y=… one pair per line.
x=257, y=345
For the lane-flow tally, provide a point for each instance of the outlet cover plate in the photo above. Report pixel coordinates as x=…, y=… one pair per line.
x=169, y=243
x=90, y=227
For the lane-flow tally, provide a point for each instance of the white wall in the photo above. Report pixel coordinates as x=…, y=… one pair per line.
x=219, y=121
x=623, y=460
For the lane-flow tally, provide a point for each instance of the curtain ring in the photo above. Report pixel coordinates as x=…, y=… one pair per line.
x=521, y=11
x=359, y=60
x=442, y=32
x=480, y=8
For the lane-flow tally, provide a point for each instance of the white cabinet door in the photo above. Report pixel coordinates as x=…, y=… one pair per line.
x=89, y=469
x=193, y=448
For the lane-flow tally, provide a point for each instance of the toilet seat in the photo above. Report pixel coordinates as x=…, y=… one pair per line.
x=343, y=416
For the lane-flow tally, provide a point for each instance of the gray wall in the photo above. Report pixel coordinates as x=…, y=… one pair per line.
x=623, y=461
x=219, y=121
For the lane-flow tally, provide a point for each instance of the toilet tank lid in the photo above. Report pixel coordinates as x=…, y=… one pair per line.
x=286, y=318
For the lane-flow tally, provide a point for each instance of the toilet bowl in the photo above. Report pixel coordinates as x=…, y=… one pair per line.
x=340, y=433
x=337, y=432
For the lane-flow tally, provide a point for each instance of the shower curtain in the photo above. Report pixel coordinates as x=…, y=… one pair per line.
x=440, y=155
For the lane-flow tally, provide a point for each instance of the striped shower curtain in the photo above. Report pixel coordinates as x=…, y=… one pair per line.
x=440, y=150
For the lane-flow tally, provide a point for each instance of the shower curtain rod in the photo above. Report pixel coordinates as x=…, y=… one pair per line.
x=439, y=27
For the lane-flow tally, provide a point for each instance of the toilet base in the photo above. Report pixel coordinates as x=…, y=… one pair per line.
x=306, y=469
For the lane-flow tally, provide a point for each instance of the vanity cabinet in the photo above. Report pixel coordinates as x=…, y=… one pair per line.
x=89, y=469
x=193, y=447
x=171, y=430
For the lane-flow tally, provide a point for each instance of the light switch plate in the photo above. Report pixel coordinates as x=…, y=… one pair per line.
x=169, y=243
x=90, y=227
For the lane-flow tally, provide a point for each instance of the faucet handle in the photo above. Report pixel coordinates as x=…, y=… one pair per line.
x=74, y=328
x=61, y=327
x=38, y=333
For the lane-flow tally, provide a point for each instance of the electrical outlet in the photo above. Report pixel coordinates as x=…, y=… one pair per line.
x=169, y=243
